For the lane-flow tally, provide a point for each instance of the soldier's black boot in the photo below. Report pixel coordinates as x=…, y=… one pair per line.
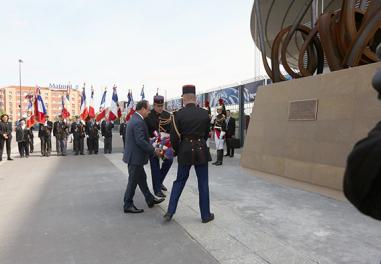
x=220, y=156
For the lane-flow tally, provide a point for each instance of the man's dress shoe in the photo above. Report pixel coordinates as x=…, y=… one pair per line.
x=133, y=210
x=155, y=201
x=210, y=218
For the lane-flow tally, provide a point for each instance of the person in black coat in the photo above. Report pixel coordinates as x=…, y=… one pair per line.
x=136, y=154
x=122, y=132
x=5, y=136
x=230, y=133
x=79, y=133
x=92, y=132
x=106, y=129
x=45, y=135
x=190, y=130
x=23, y=138
x=362, y=177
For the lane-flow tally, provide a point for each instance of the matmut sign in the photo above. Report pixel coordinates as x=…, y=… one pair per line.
x=60, y=86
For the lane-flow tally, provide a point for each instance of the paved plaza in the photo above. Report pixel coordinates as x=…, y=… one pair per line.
x=69, y=210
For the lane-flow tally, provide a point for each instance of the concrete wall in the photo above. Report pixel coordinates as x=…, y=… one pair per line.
x=312, y=151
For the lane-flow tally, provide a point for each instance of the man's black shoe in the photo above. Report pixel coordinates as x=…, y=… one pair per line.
x=9, y=158
x=218, y=164
x=210, y=218
x=168, y=217
x=226, y=155
x=155, y=201
x=133, y=210
x=163, y=188
x=160, y=194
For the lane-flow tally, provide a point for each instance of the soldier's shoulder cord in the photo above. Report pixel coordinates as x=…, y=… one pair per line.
x=175, y=126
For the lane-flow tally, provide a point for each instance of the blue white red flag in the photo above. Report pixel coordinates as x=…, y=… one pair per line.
x=83, y=110
x=115, y=111
x=39, y=107
x=102, y=109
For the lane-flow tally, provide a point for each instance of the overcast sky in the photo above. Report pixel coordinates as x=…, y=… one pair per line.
x=163, y=44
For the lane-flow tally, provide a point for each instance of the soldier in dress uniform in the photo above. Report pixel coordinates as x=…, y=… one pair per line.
x=219, y=130
x=160, y=121
x=189, y=133
x=45, y=135
x=62, y=132
x=78, y=130
x=106, y=129
x=92, y=132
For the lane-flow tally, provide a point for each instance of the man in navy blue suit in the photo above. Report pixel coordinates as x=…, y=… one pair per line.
x=136, y=154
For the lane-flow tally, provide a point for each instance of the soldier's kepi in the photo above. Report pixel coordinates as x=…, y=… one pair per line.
x=189, y=133
x=159, y=124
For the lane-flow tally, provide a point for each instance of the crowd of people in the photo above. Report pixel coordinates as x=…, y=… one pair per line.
x=64, y=130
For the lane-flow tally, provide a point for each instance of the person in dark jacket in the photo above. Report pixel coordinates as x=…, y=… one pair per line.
x=45, y=135
x=31, y=139
x=23, y=138
x=122, y=132
x=5, y=136
x=189, y=133
x=136, y=154
x=92, y=132
x=159, y=121
x=79, y=133
x=106, y=129
x=362, y=178
x=230, y=133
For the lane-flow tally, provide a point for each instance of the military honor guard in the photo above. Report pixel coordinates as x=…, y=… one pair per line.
x=62, y=133
x=190, y=129
x=5, y=136
x=136, y=154
x=31, y=139
x=106, y=129
x=219, y=130
x=45, y=135
x=92, y=132
x=159, y=124
x=78, y=131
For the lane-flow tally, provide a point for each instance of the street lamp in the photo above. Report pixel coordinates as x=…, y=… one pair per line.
x=20, y=61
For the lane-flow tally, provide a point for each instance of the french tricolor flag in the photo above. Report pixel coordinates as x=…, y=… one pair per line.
x=30, y=111
x=115, y=111
x=102, y=108
x=130, y=105
x=39, y=107
x=84, y=111
x=91, y=106
x=65, y=104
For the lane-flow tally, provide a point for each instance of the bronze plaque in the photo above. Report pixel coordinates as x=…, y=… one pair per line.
x=303, y=110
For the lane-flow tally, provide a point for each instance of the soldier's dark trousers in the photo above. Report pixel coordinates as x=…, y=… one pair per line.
x=7, y=143
x=61, y=146
x=46, y=145
x=229, y=149
x=136, y=177
x=108, y=145
x=203, y=188
x=158, y=174
x=23, y=148
x=79, y=145
x=93, y=145
x=58, y=147
x=31, y=145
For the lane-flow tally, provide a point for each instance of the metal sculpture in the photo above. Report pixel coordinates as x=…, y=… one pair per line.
x=343, y=37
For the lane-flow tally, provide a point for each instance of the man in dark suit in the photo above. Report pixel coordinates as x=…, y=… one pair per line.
x=190, y=131
x=45, y=135
x=5, y=136
x=136, y=154
x=230, y=132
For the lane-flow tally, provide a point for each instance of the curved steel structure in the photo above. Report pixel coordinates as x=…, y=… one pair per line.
x=344, y=33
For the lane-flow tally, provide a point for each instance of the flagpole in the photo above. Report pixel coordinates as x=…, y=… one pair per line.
x=20, y=61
